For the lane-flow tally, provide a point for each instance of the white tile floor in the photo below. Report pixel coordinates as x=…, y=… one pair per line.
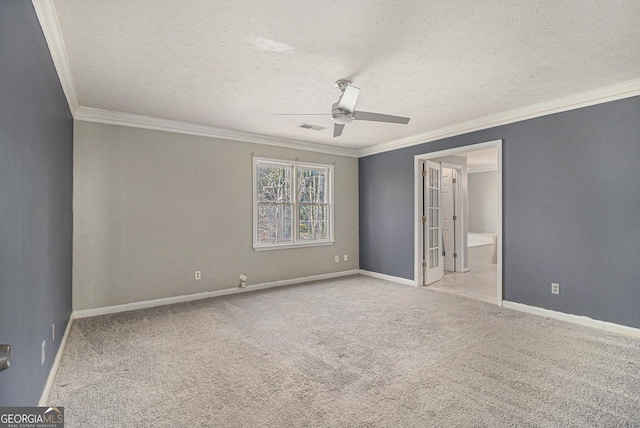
x=479, y=283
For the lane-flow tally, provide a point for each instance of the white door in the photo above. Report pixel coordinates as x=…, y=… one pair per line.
x=432, y=223
x=448, y=219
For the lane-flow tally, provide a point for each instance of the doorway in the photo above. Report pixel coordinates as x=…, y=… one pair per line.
x=442, y=219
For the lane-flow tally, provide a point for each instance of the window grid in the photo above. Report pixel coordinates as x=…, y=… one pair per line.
x=292, y=204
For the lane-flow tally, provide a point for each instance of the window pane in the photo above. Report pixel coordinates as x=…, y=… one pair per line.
x=313, y=220
x=434, y=198
x=323, y=212
x=320, y=230
x=274, y=223
x=304, y=230
x=304, y=213
x=264, y=233
x=271, y=213
x=312, y=186
x=434, y=217
x=434, y=178
x=274, y=183
x=434, y=258
x=313, y=212
x=286, y=232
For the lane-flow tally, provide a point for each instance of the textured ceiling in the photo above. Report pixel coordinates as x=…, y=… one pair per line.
x=233, y=64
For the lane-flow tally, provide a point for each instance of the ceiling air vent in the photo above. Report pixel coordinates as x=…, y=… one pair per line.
x=313, y=127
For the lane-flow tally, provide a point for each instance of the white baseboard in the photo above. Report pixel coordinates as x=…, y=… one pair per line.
x=575, y=319
x=395, y=279
x=84, y=313
x=44, y=398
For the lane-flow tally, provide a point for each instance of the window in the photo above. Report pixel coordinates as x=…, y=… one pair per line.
x=292, y=204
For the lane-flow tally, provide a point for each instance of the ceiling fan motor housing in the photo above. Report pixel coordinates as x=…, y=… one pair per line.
x=342, y=84
x=341, y=116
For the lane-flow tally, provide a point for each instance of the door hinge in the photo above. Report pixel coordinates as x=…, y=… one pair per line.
x=444, y=254
x=424, y=264
x=424, y=219
x=453, y=181
x=455, y=255
x=424, y=173
x=455, y=217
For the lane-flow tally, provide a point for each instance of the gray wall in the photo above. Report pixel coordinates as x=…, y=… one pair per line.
x=483, y=201
x=152, y=207
x=571, y=194
x=36, y=132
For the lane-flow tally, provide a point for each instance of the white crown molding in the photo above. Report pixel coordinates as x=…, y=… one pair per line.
x=126, y=119
x=584, y=99
x=482, y=169
x=46, y=14
x=45, y=11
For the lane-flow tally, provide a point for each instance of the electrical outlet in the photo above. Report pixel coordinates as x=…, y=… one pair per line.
x=43, y=353
x=53, y=332
x=555, y=288
x=345, y=258
x=198, y=275
x=337, y=259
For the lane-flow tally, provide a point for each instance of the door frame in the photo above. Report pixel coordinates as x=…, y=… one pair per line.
x=418, y=216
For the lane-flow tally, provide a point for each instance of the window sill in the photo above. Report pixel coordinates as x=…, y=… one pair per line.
x=291, y=246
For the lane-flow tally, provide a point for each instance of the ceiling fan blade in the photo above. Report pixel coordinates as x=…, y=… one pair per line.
x=377, y=117
x=302, y=114
x=337, y=129
x=348, y=98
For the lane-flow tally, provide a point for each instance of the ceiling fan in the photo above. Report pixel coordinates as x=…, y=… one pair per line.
x=343, y=112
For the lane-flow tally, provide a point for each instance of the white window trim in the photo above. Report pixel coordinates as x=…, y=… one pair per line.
x=296, y=244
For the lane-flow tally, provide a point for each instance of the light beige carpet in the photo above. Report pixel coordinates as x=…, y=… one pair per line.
x=352, y=352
